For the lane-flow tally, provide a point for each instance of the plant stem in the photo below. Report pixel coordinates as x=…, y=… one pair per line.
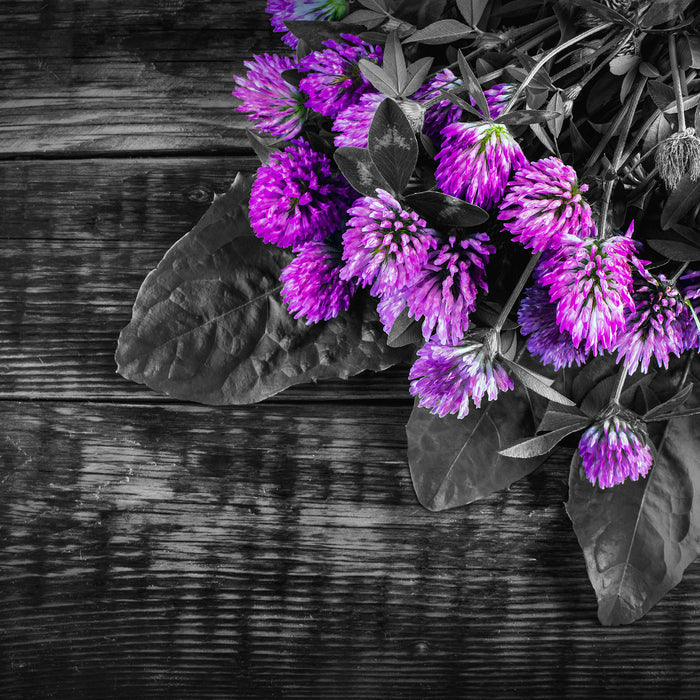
x=680, y=271
x=673, y=58
x=516, y=292
x=621, y=377
x=546, y=58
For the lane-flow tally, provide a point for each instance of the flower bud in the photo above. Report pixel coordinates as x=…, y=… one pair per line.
x=677, y=156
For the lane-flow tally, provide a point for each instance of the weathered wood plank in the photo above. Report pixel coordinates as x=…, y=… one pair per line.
x=99, y=77
x=79, y=237
x=280, y=550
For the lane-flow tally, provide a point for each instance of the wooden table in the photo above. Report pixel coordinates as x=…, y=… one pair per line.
x=153, y=548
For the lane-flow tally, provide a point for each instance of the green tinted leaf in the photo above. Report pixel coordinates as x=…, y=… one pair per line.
x=444, y=210
x=208, y=324
x=638, y=537
x=359, y=170
x=392, y=145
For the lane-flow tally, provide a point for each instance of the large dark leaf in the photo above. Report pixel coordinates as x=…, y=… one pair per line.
x=443, y=210
x=640, y=536
x=359, y=170
x=455, y=461
x=209, y=325
x=663, y=11
x=684, y=198
x=441, y=32
x=392, y=145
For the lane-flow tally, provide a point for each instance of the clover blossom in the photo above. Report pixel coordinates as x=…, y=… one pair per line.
x=303, y=10
x=543, y=204
x=352, y=124
x=312, y=286
x=591, y=282
x=385, y=243
x=497, y=97
x=656, y=326
x=271, y=103
x=296, y=198
x=439, y=115
x=475, y=161
x=334, y=81
x=615, y=448
x=537, y=317
x=689, y=286
x=444, y=291
x=446, y=378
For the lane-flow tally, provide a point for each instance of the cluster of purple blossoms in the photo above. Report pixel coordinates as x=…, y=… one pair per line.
x=271, y=103
x=312, y=285
x=296, y=198
x=439, y=115
x=385, y=244
x=476, y=160
x=537, y=316
x=334, y=81
x=353, y=123
x=303, y=10
x=445, y=289
x=591, y=282
x=615, y=448
x=497, y=97
x=543, y=206
x=656, y=326
x=446, y=378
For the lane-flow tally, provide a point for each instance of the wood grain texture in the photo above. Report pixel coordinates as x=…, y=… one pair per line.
x=99, y=77
x=79, y=237
x=186, y=552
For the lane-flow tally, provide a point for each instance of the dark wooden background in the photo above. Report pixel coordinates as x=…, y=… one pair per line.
x=152, y=548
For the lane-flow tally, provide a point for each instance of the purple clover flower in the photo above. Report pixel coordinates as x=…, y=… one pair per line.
x=439, y=115
x=352, y=123
x=334, y=81
x=538, y=320
x=447, y=377
x=497, y=97
x=656, y=326
x=312, y=286
x=296, y=198
x=304, y=10
x=475, y=161
x=271, y=103
x=445, y=289
x=591, y=283
x=689, y=286
x=615, y=448
x=543, y=204
x=385, y=243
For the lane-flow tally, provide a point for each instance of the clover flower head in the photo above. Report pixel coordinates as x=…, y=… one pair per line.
x=444, y=291
x=312, y=286
x=497, y=97
x=591, y=282
x=271, y=103
x=385, y=243
x=303, y=10
x=677, y=156
x=334, y=81
x=543, y=204
x=475, y=161
x=296, y=198
x=352, y=123
x=439, y=115
x=656, y=325
x=537, y=316
x=448, y=378
x=615, y=448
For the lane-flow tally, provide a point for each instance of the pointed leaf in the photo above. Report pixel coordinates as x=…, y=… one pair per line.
x=462, y=104
x=674, y=249
x=315, y=33
x=660, y=93
x=543, y=444
x=604, y=12
x=455, y=461
x=662, y=12
x=443, y=210
x=682, y=200
x=359, y=170
x=378, y=77
x=558, y=416
x=671, y=404
x=405, y=331
x=528, y=116
x=209, y=325
x=639, y=537
x=392, y=145
x=263, y=148
x=472, y=10
x=417, y=73
x=537, y=383
x=393, y=62
x=369, y=18
x=471, y=82
x=443, y=31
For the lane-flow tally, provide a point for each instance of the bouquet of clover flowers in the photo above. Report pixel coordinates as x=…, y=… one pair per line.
x=505, y=195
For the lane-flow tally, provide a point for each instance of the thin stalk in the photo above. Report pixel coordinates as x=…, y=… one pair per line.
x=536, y=40
x=677, y=91
x=608, y=42
x=617, y=392
x=547, y=57
x=516, y=292
x=679, y=272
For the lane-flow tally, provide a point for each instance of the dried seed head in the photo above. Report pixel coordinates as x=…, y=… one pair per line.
x=677, y=156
